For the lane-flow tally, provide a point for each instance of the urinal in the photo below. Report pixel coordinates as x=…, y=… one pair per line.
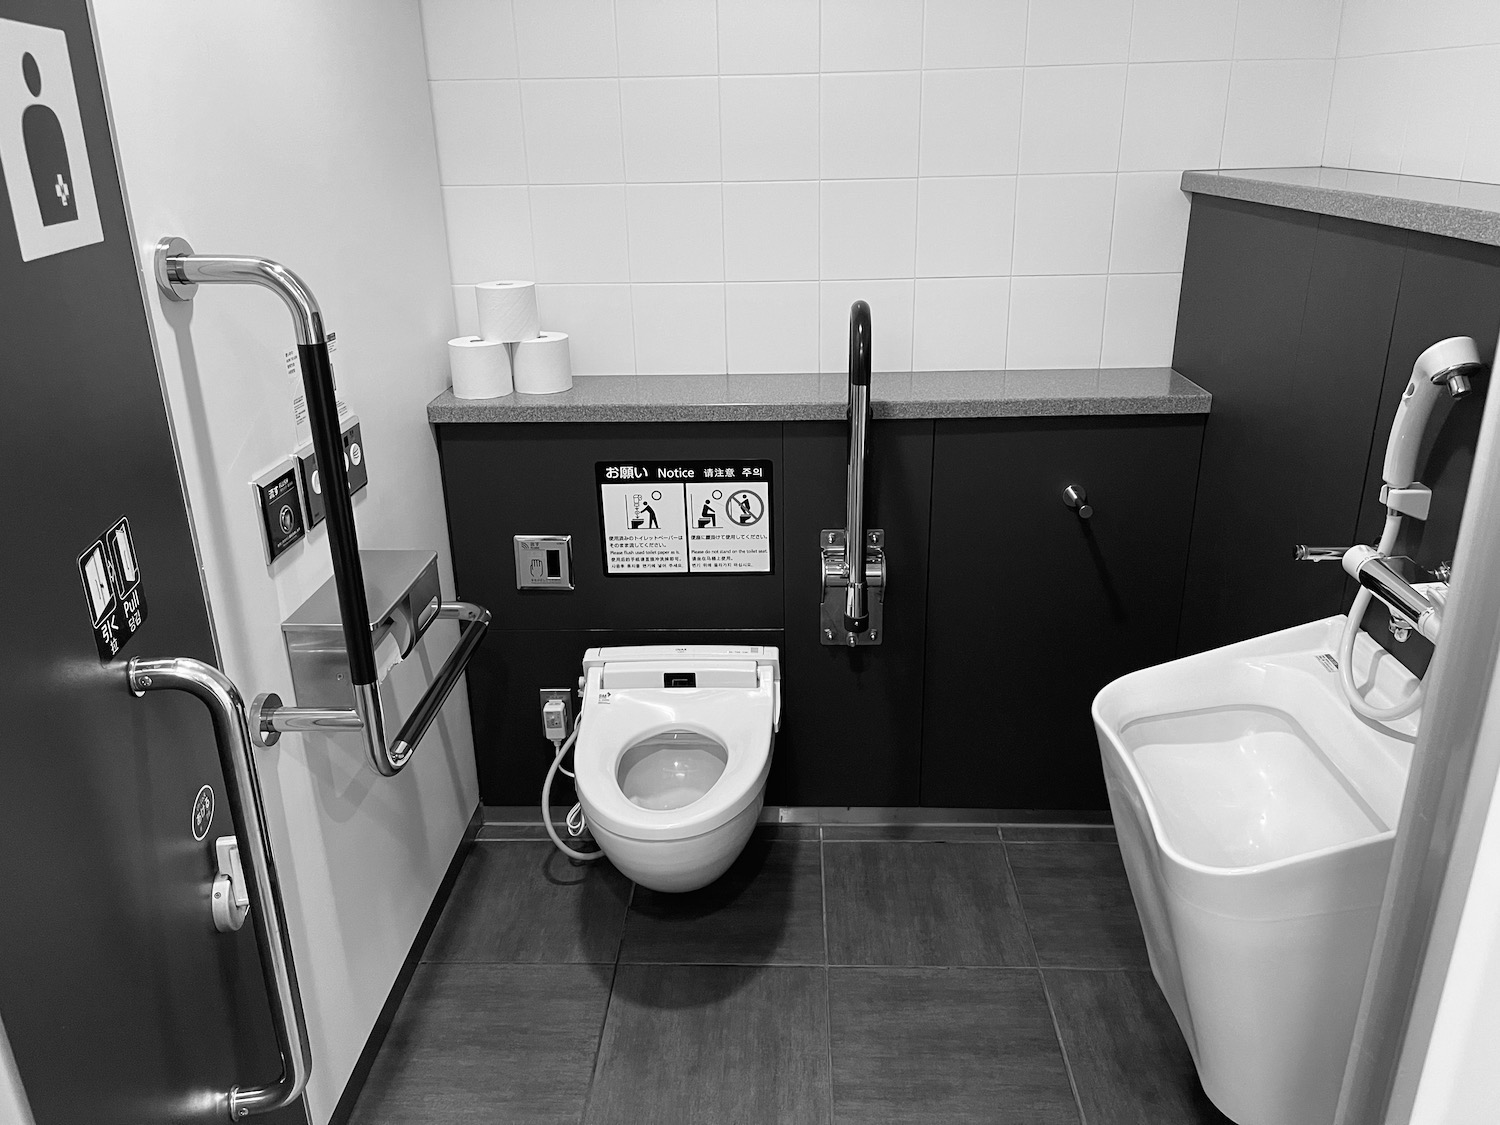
x=1256, y=815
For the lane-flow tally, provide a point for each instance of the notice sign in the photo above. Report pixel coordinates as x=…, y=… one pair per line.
x=685, y=517
x=111, y=577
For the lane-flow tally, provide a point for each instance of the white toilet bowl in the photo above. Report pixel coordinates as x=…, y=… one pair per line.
x=1256, y=816
x=674, y=747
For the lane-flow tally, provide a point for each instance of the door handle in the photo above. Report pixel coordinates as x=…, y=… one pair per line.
x=226, y=707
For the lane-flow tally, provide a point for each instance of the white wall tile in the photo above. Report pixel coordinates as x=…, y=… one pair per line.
x=658, y=37
x=578, y=232
x=867, y=228
x=489, y=233
x=1379, y=129
x=465, y=310
x=869, y=124
x=565, y=38
x=1055, y=322
x=971, y=122
x=671, y=128
x=1140, y=320
x=768, y=36
x=676, y=232
x=771, y=231
x=1151, y=223
x=573, y=130
x=1271, y=120
x=1070, y=118
x=1288, y=29
x=972, y=33
x=890, y=323
x=1174, y=115
x=1440, y=88
x=770, y=126
x=860, y=35
x=772, y=327
x=1351, y=92
x=964, y=226
x=960, y=323
x=1061, y=32
x=1063, y=224
x=679, y=329
x=1182, y=30
x=469, y=38
x=478, y=126
x=599, y=324
x=1482, y=154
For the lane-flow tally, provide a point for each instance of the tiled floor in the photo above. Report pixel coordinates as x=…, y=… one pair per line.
x=842, y=975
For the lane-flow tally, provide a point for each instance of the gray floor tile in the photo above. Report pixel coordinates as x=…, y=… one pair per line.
x=1127, y=1055
x=956, y=1046
x=1078, y=905
x=766, y=909
x=922, y=904
x=479, y=1044
x=1058, y=833
x=708, y=1044
x=528, y=902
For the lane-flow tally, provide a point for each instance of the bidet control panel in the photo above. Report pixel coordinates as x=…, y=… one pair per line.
x=544, y=562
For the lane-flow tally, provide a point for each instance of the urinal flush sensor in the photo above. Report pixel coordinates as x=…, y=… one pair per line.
x=544, y=562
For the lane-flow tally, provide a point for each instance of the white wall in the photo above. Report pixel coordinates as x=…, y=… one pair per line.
x=302, y=132
x=1417, y=89
x=701, y=187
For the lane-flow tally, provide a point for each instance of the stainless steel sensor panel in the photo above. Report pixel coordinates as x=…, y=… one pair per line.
x=544, y=562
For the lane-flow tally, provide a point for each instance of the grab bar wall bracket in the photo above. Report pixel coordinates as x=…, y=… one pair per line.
x=833, y=629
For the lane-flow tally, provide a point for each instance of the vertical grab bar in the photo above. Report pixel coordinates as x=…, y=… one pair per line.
x=856, y=594
x=179, y=272
x=242, y=785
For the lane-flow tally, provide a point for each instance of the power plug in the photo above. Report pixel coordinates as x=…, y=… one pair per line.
x=557, y=713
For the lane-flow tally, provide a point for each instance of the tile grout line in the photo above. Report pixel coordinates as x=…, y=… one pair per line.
x=827, y=979
x=1046, y=991
x=609, y=1001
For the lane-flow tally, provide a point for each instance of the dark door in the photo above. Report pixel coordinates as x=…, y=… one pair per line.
x=1032, y=610
x=122, y=1002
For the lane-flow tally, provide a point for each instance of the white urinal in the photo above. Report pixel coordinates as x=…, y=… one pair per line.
x=1256, y=815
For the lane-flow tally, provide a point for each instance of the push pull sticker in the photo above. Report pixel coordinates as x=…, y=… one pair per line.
x=111, y=573
x=685, y=517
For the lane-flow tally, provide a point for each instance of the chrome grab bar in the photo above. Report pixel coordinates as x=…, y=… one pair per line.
x=856, y=593
x=179, y=272
x=242, y=788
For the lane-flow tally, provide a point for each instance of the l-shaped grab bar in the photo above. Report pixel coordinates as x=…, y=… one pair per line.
x=179, y=272
x=856, y=594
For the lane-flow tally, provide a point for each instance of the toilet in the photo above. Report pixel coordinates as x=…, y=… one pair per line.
x=1256, y=816
x=674, y=747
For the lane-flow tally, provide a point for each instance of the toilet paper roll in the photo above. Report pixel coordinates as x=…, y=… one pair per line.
x=481, y=368
x=507, y=310
x=542, y=365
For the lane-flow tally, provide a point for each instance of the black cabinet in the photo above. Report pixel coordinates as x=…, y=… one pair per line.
x=1031, y=609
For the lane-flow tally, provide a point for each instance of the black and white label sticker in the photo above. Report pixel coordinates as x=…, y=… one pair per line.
x=111, y=573
x=685, y=517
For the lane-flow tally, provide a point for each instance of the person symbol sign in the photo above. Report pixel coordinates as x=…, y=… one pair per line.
x=43, y=153
x=745, y=508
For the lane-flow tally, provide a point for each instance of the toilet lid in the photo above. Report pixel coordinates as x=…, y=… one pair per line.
x=738, y=720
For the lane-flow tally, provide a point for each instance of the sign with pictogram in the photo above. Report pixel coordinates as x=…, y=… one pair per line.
x=111, y=574
x=685, y=517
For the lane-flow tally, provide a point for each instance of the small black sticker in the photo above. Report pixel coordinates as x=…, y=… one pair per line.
x=203, y=812
x=112, y=587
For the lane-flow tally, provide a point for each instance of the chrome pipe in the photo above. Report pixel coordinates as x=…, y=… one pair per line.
x=856, y=594
x=1304, y=553
x=1373, y=571
x=267, y=913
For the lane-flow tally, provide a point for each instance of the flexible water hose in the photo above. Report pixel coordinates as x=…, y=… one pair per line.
x=571, y=853
x=1346, y=645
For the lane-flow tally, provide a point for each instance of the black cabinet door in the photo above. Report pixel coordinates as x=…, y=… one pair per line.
x=1031, y=610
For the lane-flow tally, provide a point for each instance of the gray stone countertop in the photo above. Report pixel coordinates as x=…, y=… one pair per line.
x=792, y=398
x=1462, y=209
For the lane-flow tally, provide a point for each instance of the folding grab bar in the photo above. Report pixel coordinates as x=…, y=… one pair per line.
x=242, y=788
x=179, y=272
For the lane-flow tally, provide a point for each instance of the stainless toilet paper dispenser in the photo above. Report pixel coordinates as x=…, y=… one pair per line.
x=401, y=591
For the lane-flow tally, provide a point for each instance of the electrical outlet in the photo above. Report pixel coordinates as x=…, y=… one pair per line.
x=551, y=726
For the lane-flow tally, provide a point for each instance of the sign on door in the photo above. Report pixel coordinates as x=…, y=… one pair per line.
x=685, y=517
x=42, y=150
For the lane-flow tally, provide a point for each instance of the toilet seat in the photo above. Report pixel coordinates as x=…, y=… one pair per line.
x=740, y=719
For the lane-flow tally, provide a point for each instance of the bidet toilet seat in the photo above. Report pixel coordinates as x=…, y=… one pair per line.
x=741, y=720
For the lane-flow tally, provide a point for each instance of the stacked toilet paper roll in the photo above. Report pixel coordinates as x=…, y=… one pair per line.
x=507, y=310
x=481, y=368
x=543, y=365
